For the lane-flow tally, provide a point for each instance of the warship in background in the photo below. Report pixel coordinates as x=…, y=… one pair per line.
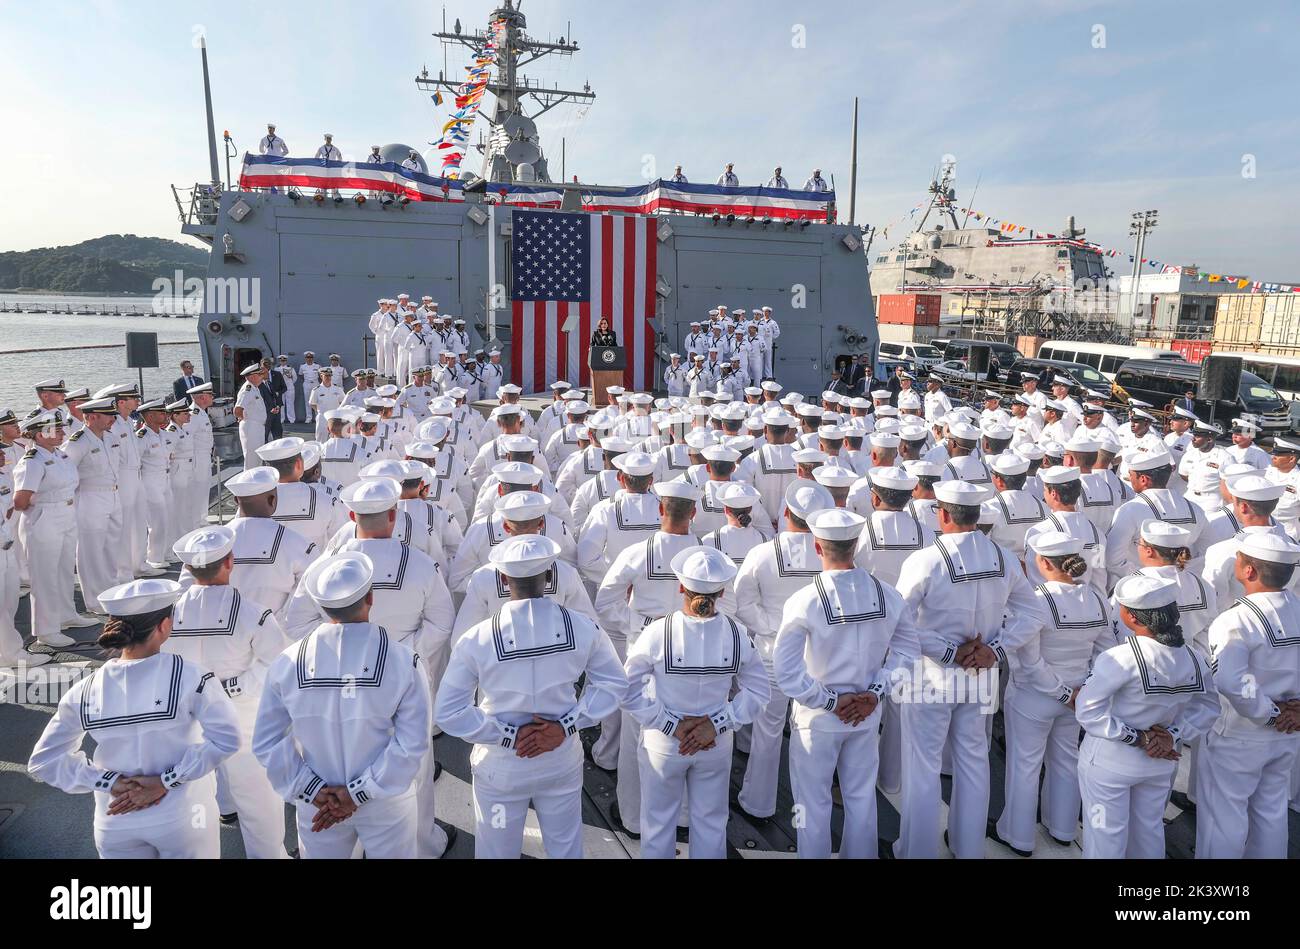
x=321, y=266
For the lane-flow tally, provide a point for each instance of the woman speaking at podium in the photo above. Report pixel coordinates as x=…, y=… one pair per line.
x=603, y=335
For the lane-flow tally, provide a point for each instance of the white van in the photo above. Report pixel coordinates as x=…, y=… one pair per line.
x=1106, y=358
x=920, y=354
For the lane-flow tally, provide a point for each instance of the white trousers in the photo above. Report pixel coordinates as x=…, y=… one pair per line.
x=815, y=757
x=178, y=518
x=99, y=527
x=926, y=729
x=385, y=829
x=605, y=749
x=1038, y=728
x=291, y=403
x=50, y=534
x=177, y=839
x=667, y=779
x=244, y=781
x=1123, y=814
x=252, y=436
x=431, y=840
x=889, y=777
x=200, y=492
x=758, y=790
x=11, y=641
x=505, y=785
x=133, y=534
x=767, y=362
x=1242, y=792
x=158, y=516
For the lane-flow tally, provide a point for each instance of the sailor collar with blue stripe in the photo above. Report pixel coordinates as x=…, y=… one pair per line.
x=1063, y=528
x=623, y=511
x=1149, y=498
x=496, y=528
x=139, y=705
x=1153, y=681
x=767, y=465
x=1034, y=507
x=369, y=675
x=850, y=596
x=700, y=656
x=1262, y=608
x=906, y=519
x=714, y=539
x=970, y=556
x=1199, y=600
x=1093, y=498
x=1069, y=614
x=548, y=641
x=292, y=505
x=806, y=564
x=214, y=612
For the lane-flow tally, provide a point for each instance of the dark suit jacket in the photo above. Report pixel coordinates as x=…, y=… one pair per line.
x=857, y=376
x=180, y=385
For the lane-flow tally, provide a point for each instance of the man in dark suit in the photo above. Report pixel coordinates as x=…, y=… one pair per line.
x=1188, y=401
x=859, y=375
x=187, y=381
x=273, y=390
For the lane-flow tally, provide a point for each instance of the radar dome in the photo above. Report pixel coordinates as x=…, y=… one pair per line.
x=398, y=153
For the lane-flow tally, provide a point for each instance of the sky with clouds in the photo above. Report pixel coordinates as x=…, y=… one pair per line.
x=1095, y=108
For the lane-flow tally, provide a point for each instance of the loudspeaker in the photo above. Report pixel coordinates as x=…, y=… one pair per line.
x=1220, y=378
x=980, y=359
x=142, y=350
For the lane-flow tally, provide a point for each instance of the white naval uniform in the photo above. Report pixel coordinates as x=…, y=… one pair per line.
x=341, y=459
x=1040, y=724
x=675, y=380
x=348, y=705
x=770, y=331
x=968, y=468
x=770, y=469
x=135, y=532
x=48, y=529
x=290, y=377
x=322, y=399
x=578, y=468
x=1100, y=495
x=1287, y=512
x=684, y=666
x=1219, y=573
x=525, y=663
x=252, y=430
x=200, y=491
x=310, y=511
x=1079, y=527
x=770, y=575
x=593, y=492
x=736, y=542
x=937, y=405
x=1158, y=504
x=11, y=642
x=155, y=716
x=269, y=560
x=310, y=375
x=273, y=145
x=778, y=181
x=846, y=632
x=1252, y=454
x=672, y=461
x=157, y=459
x=638, y=588
x=218, y=629
x=490, y=492
x=1135, y=685
x=485, y=534
x=1017, y=512
x=612, y=526
x=486, y=593
x=1245, y=763
x=961, y=586
x=379, y=327
x=99, y=512
x=184, y=474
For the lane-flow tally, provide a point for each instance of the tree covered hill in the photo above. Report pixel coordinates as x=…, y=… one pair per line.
x=115, y=263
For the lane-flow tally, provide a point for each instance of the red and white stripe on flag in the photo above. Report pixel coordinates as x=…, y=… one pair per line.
x=624, y=253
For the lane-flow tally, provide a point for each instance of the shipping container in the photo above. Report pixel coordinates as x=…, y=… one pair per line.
x=1238, y=320
x=1193, y=350
x=1281, y=321
x=908, y=309
x=903, y=333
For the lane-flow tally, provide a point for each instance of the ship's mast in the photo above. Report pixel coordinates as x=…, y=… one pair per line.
x=513, y=149
x=943, y=197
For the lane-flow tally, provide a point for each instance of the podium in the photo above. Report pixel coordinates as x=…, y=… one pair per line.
x=606, y=364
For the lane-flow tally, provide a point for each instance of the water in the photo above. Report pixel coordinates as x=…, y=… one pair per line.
x=92, y=368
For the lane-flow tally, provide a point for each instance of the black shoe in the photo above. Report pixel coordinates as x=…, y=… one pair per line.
x=1181, y=801
x=754, y=818
x=452, y=833
x=437, y=770
x=617, y=818
x=586, y=750
x=991, y=831
x=229, y=819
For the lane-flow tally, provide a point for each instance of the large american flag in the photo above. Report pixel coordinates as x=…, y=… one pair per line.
x=570, y=270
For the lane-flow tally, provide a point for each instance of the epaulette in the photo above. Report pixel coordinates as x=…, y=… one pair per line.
x=31, y=453
x=140, y=432
x=76, y=435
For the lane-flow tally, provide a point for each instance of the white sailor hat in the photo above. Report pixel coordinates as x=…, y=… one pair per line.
x=1184, y=413
x=600, y=422
x=912, y=433
x=1269, y=546
x=733, y=412
x=1148, y=460
x=434, y=429
x=371, y=495
x=154, y=405
x=50, y=385
x=199, y=389
x=859, y=403
x=920, y=468
x=255, y=367
x=140, y=597
x=1058, y=474
x=508, y=408
x=720, y=453
x=205, y=546
x=792, y=398
x=885, y=439
x=422, y=450
x=77, y=395
x=1049, y=450
x=339, y=581
x=617, y=446
x=908, y=401
x=739, y=495
x=387, y=391
x=1244, y=425
x=1255, y=487
x=573, y=395
x=517, y=473
x=808, y=410
x=1142, y=414
x=698, y=323
x=699, y=357
x=803, y=497
x=382, y=403
x=831, y=433
x=456, y=393
x=1009, y=463
x=893, y=478
x=1238, y=469
x=682, y=490
x=779, y=419
x=725, y=364
x=311, y=455
x=1055, y=544
x=888, y=425
x=522, y=506
x=121, y=390
x=1163, y=534
x=445, y=406
x=703, y=569
x=836, y=524
x=101, y=407
x=338, y=415
x=368, y=418
x=753, y=390
x=1143, y=592
x=879, y=394
x=835, y=476
x=771, y=386
x=699, y=439
x=388, y=468
x=810, y=456
x=527, y=555
x=615, y=390
x=1284, y=446
x=964, y=431
x=1081, y=443
x=1107, y=441
x=253, y=481
x=282, y=449
x=833, y=398
x=635, y=463
x=960, y=492
x=1061, y=381
x=998, y=433
x=559, y=385
x=518, y=444
x=508, y=389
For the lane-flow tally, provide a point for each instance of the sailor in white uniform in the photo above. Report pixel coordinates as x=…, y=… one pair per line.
x=693, y=676
x=525, y=508
x=199, y=428
x=160, y=725
x=1061, y=492
x=272, y=144
x=843, y=641
x=771, y=468
x=972, y=606
x=728, y=177
x=1015, y=510
x=45, y=484
x=746, y=528
x=218, y=629
x=1284, y=471
x=1247, y=758
x=626, y=517
x=638, y=588
x=1143, y=699
x=1149, y=476
x=816, y=182
x=97, y=454
x=157, y=448
x=251, y=413
x=308, y=509
x=486, y=592
x=778, y=180
x=343, y=727
x=270, y=558
x=133, y=538
x=510, y=691
x=964, y=462
x=12, y=652
x=1243, y=448
x=1038, y=708
x=1252, y=499
x=675, y=376
x=770, y=575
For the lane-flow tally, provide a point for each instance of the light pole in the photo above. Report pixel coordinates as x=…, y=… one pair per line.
x=1141, y=223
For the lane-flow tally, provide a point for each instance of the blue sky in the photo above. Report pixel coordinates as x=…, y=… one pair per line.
x=103, y=106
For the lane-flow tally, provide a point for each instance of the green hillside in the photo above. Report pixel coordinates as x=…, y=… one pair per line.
x=115, y=263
